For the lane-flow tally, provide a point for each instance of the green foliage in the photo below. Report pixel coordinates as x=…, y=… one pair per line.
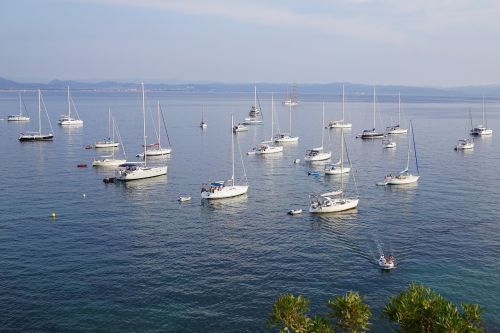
x=351, y=314
x=419, y=309
x=289, y=314
x=320, y=324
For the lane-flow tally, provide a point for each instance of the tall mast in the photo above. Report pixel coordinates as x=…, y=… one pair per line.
x=408, y=160
x=272, y=117
x=232, y=151
x=484, y=123
x=159, y=129
x=290, y=120
x=374, y=108
x=322, y=124
x=69, y=106
x=144, y=121
x=109, y=125
x=20, y=105
x=342, y=161
x=255, y=97
x=39, y=112
x=343, y=102
x=399, y=108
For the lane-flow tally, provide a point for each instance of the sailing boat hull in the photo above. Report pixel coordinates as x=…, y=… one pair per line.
x=110, y=144
x=335, y=205
x=401, y=180
x=339, y=124
x=108, y=162
x=225, y=192
x=141, y=172
x=17, y=118
x=36, y=137
x=336, y=170
x=71, y=122
x=318, y=157
x=397, y=131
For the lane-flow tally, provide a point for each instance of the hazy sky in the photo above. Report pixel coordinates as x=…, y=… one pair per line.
x=412, y=42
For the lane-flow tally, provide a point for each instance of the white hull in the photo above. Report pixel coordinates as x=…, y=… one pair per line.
x=336, y=205
x=156, y=152
x=239, y=128
x=481, y=131
x=106, y=144
x=18, y=118
x=269, y=150
x=203, y=125
x=318, y=157
x=108, y=162
x=337, y=170
x=225, y=192
x=339, y=124
x=286, y=138
x=371, y=135
x=397, y=131
x=71, y=122
x=384, y=264
x=141, y=172
x=250, y=121
x=290, y=103
x=401, y=179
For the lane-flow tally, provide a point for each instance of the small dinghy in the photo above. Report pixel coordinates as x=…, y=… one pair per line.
x=108, y=180
x=313, y=173
x=183, y=199
x=386, y=263
x=294, y=211
x=81, y=165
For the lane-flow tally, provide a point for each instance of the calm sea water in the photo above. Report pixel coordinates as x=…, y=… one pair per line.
x=129, y=257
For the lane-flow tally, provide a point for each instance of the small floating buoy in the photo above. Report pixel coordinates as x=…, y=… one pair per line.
x=84, y=195
x=108, y=180
x=313, y=173
x=89, y=147
x=53, y=215
x=297, y=161
x=81, y=165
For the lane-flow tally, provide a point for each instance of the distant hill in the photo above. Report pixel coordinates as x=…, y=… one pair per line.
x=333, y=90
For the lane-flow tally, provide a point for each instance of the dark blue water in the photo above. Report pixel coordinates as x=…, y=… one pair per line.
x=129, y=257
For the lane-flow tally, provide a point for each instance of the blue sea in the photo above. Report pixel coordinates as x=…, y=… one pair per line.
x=129, y=257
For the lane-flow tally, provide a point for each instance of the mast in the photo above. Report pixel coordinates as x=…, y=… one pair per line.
x=109, y=125
x=408, y=159
x=290, y=120
x=255, y=97
x=374, y=108
x=322, y=122
x=343, y=102
x=342, y=161
x=159, y=129
x=39, y=112
x=399, y=108
x=20, y=105
x=144, y=121
x=272, y=117
x=484, y=123
x=69, y=107
x=232, y=152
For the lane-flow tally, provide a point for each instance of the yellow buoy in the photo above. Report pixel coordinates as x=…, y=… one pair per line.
x=53, y=215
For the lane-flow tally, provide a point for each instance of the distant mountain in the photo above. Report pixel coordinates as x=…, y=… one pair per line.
x=310, y=91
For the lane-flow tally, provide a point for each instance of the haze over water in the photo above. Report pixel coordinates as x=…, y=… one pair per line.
x=129, y=257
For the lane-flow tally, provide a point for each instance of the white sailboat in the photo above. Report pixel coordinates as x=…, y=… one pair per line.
x=203, y=123
x=239, y=128
x=140, y=170
x=110, y=141
x=318, y=154
x=372, y=133
x=334, y=201
x=464, y=144
x=20, y=116
x=287, y=137
x=221, y=189
x=397, y=129
x=39, y=136
x=340, y=123
x=291, y=96
x=110, y=160
x=155, y=149
x=338, y=168
x=255, y=114
x=404, y=177
x=267, y=147
x=66, y=119
x=482, y=129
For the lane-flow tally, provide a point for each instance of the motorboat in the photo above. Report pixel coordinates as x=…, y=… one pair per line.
x=386, y=263
x=239, y=128
x=294, y=211
x=388, y=144
x=184, y=198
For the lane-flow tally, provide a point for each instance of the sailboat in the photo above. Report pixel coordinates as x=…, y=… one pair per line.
x=155, y=149
x=335, y=201
x=266, y=147
x=291, y=97
x=140, y=170
x=203, y=123
x=255, y=113
x=287, y=137
x=109, y=142
x=221, y=189
x=39, y=136
x=110, y=160
x=396, y=129
x=482, y=129
x=340, y=123
x=404, y=177
x=372, y=133
x=20, y=116
x=317, y=154
x=464, y=144
x=66, y=119
x=338, y=168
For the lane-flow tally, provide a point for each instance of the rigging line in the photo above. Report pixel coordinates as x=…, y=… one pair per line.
x=165, y=126
x=241, y=158
x=25, y=108
x=115, y=126
x=414, y=146
x=350, y=165
x=74, y=105
x=152, y=119
x=46, y=114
